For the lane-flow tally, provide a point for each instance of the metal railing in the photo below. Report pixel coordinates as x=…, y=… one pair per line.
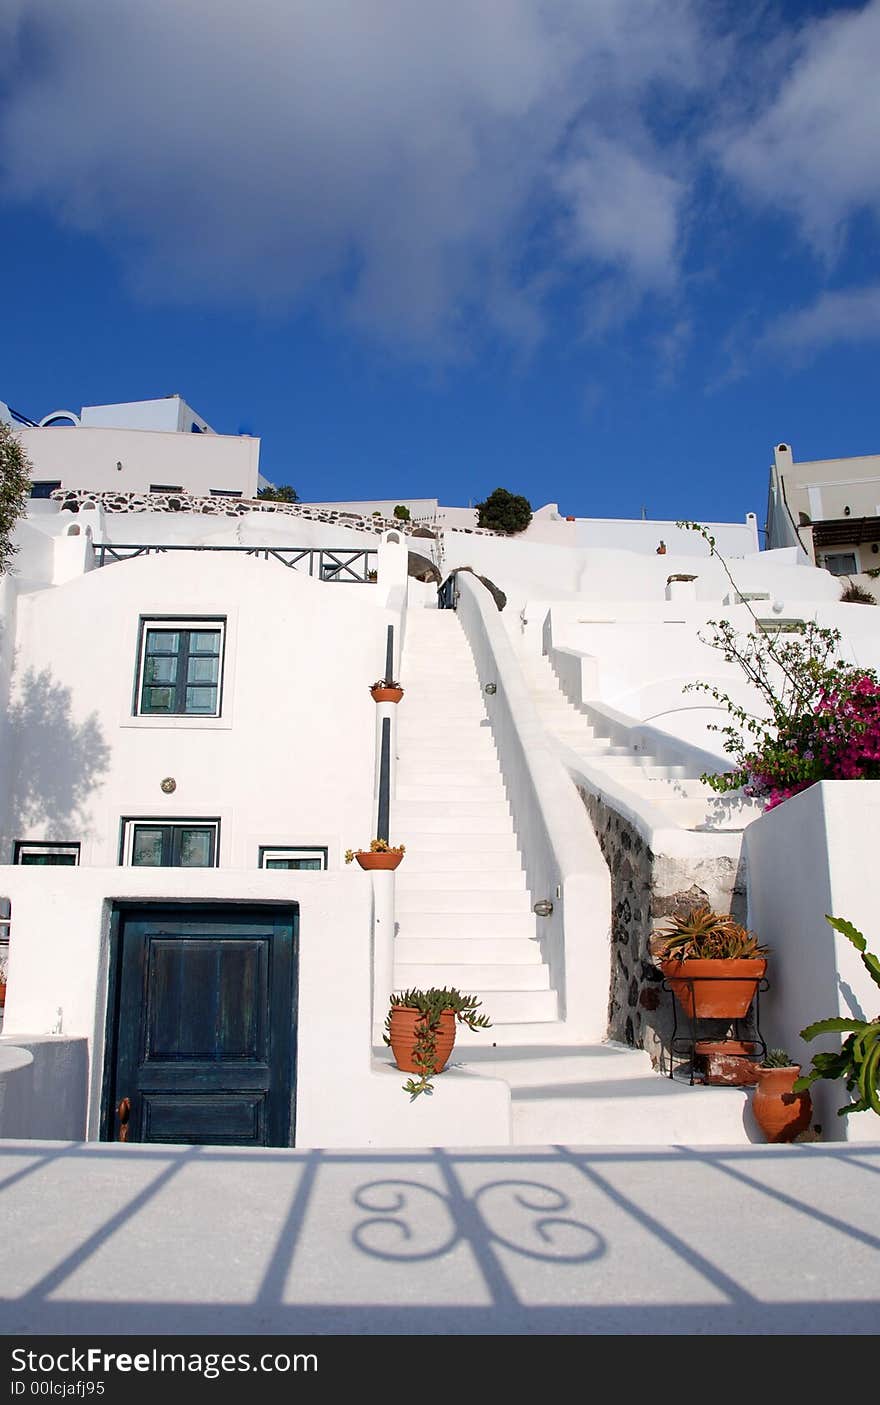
x=343, y=565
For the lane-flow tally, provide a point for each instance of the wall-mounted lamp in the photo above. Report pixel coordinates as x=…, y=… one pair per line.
x=846, y=512
x=119, y=465
x=490, y=688
x=543, y=907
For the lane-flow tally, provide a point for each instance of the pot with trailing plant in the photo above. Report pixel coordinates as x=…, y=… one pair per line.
x=420, y=1028
x=713, y=965
x=781, y=1110
x=380, y=855
x=386, y=690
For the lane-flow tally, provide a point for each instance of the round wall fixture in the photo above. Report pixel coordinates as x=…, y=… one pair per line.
x=168, y=786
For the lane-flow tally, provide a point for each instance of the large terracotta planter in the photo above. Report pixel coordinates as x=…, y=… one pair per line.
x=387, y=694
x=727, y=1062
x=2, y=992
x=721, y=990
x=780, y=1113
x=403, y=1033
x=367, y=859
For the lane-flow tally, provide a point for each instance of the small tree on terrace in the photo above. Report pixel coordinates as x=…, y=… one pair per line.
x=283, y=494
x=15, y=486
x=505, y=512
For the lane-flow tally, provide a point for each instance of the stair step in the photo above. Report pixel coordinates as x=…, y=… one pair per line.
x=650, y=1111
x=476, y=807
x=468, y=951
x=426, y=880
x=420, y=899
x=453, y=842
x=509, y=1007
x=458, y=824
x=463, y=925
x=488, y=864
x=448, y=973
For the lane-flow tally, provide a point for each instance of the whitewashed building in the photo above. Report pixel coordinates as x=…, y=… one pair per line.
x=190, y=745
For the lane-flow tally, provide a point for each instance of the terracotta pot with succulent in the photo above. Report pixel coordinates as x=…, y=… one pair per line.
x=380, y=855
x=858, y=1061
x=386, y=690
x=781, y=1112
x=420, y=1028
x=712, y=964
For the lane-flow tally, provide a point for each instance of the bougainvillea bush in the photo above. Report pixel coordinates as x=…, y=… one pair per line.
x=820, y=718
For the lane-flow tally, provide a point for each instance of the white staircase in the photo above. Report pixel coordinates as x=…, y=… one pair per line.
x=682, y=798
x=464, y=914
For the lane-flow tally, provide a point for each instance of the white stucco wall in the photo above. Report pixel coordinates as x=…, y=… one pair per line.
x=169, y=413
x=812, y=855
x=289, y=761
x=87, y=457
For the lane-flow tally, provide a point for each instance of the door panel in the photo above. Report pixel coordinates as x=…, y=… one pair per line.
x=205, y=1025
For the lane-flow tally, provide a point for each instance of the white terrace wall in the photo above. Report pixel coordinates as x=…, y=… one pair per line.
x=87, y=457
x=345, y=1097
x=817, y=854
x=289, y=761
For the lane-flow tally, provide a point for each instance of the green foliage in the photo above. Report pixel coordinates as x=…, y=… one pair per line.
x=854, y=594
x=432, y=1003
x=704, y=935
x=283, y=494
x=401, y=512
x=16, y=472
x=858, y=1061
x=505, y=512
x=777, y=1058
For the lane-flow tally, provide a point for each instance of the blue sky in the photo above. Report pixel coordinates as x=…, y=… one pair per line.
x=600, y=252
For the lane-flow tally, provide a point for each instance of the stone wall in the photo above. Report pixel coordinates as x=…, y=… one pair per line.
x=645, y=888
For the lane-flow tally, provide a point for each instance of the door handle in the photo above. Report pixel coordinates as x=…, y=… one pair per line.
x=123, y=1112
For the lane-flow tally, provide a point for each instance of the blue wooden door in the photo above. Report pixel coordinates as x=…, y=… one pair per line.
x=205, y=1026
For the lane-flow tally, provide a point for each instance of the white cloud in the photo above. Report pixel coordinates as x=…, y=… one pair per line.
x=845, y=315
x=814, y=152
x=398, y=156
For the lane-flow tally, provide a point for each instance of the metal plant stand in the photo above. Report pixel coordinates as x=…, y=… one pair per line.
x=746, y=1029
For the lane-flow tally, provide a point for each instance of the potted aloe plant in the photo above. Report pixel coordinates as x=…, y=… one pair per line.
x=420, y=1028
x=781, y=1109
x=712, y=963
x=386, y=690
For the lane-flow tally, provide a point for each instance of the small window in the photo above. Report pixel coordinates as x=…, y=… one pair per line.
x=180, y=668
x=65, y=855
x=224, y=493
x=842, y=563
x=281, y=857
x=43, y=488
x=165, y=488
x=178, y=844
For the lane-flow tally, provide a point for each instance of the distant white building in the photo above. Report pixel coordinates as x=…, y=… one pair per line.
x=145, y=446
x=829, y=509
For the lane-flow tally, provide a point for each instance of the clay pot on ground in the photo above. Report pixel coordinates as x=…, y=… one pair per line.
x=367, y=859
x=406, y=1024
x=715, y=989
x=726, y=1062
x=392, y=695
x=780, y=1113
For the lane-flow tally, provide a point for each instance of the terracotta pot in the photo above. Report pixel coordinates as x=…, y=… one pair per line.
x=2, y=992
x=727, y=1062
x=367, y=859
x=721, y=990
x=780, y=1113
x=404, y=1029
x=387, y=694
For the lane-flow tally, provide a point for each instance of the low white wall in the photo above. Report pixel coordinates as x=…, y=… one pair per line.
x=812, y=855
x=59, y=957
x=43, y=1088
x=634, y=535
x=561, y=853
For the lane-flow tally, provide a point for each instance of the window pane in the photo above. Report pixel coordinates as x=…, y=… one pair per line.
x=147, y=847
x=158, y=700
x=203, y=670
x=196, y=848
x=164, y=641
x=201, y=700
x=204, y=641
x=160, y=668
x=294, y=863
